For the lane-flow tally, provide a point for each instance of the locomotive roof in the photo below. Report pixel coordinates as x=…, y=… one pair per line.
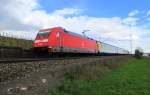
x=76, y=34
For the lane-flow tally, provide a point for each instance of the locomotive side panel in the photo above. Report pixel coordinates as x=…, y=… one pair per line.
x=78, y=44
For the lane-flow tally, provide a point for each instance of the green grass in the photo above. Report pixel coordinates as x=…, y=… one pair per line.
x=130, y=79
x=7, y=41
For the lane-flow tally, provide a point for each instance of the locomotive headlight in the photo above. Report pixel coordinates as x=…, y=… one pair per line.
x=49, y=47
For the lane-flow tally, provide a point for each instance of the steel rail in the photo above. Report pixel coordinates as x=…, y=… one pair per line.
x=16, y=60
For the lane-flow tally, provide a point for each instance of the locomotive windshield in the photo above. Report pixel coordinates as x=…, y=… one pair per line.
x=43, y=34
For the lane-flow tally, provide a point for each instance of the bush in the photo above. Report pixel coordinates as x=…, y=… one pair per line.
x=138, y=54
x=14, y=42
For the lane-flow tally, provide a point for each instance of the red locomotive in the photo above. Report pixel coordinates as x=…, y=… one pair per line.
x=58, y=40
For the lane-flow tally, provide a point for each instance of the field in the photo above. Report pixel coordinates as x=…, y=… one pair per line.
x=7, y=41
x=132, y=78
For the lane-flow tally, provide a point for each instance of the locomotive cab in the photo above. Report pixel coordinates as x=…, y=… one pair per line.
x=49, y=40
x=41, y=42
x=42, y=38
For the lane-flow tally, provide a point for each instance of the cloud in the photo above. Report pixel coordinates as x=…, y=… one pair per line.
x=133, y=13
x=12, y=13
x=66, y=11
x=131, y=21
x=24, y=17
x=148, y=13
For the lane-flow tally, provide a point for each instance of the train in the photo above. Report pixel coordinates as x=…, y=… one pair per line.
x=59, y=40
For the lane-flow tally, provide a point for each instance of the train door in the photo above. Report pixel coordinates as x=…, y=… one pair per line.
x=60, y=42
x=98, y=46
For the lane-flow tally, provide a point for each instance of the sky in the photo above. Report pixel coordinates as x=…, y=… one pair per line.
x=117, y=22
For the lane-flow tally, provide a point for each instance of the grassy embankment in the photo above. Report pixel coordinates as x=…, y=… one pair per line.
x=7, y=41
x=132, y=78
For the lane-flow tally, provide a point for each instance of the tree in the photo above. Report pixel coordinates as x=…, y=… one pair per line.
x=138, y=53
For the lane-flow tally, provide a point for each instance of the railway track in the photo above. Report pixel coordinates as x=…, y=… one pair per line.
x=16, y=60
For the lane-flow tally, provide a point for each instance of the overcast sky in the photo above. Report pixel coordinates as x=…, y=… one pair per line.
x=112, y=21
